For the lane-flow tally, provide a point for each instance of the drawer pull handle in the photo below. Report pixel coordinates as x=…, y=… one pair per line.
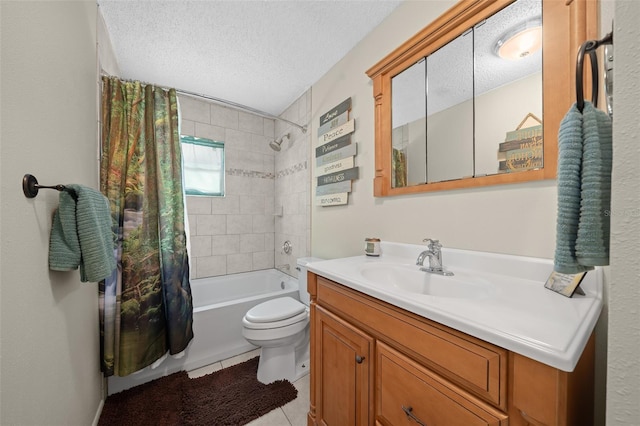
x=409, y=412
x=359, y=359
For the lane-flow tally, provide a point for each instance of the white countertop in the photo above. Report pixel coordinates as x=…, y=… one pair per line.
x=519, y=314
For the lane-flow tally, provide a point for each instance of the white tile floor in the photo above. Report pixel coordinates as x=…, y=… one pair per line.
x=292, y=414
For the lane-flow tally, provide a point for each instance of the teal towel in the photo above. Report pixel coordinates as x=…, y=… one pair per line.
x=583, y=197
x=81, y=235
x=592, y=244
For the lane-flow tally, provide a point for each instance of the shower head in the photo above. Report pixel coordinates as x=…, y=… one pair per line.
x=276, y=143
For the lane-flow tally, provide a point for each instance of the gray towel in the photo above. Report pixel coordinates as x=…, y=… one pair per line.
x=81, y=235
x=584, y=190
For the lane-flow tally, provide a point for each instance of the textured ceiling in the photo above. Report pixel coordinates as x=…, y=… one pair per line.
x=262, y=54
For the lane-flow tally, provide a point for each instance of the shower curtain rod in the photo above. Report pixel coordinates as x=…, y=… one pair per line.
x=228, y=103
x=242, y=107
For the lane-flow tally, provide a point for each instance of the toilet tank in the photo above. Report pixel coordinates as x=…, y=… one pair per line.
x=302, y=277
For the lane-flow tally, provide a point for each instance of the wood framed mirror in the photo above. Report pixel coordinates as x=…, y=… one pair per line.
x=565, y=25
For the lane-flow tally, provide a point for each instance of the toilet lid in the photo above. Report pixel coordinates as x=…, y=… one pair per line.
x=275, y=310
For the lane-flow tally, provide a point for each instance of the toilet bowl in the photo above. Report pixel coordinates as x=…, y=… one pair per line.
x=281, y=328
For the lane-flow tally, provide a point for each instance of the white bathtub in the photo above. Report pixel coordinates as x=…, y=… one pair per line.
x=219, y=303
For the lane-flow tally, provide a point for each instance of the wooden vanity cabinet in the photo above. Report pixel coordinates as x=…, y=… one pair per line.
x=373, y=363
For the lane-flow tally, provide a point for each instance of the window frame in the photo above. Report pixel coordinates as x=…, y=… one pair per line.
x=193, y=140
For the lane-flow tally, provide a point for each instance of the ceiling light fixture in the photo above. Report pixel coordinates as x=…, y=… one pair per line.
x=520, y=41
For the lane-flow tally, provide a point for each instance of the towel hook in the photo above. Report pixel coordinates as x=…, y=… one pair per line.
x=30, y=186
x=584, y=49
x=589, y=47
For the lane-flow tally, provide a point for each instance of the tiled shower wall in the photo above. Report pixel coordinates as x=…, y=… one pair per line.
x=234, y=233
x=292, y=185
x=267, y=200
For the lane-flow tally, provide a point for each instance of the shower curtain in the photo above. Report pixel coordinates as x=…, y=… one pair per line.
x=145, y=306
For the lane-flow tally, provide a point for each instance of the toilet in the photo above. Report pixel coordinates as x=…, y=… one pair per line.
x=281, y=328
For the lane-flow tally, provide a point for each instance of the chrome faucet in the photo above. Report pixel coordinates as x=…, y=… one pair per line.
x=435, y=258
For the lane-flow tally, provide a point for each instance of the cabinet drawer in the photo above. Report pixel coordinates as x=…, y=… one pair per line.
x=405, y=389
x=477, y=366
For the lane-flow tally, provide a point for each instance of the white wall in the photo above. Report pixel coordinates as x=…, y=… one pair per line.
x=49, y=371
x=517, y=219
x=623, y=375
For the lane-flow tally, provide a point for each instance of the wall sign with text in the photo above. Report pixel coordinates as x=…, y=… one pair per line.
x=335, y=156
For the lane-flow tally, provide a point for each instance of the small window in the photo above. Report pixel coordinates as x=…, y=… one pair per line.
x=203, y=166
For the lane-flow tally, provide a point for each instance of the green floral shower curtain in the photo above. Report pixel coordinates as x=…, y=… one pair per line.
x=145, y=306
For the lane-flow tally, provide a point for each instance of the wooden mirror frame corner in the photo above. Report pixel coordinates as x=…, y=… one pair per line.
x=566, y=24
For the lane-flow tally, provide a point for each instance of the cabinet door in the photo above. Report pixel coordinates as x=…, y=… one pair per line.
x=342, y=372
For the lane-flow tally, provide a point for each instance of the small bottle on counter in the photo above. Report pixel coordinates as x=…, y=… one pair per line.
x=372, y=246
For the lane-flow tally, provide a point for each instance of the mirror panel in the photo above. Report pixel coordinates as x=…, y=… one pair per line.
x=508, y=93
x=409, y=138
x=450, y=110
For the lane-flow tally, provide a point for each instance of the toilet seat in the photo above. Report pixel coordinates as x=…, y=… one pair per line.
x=275, y=313
x=275, y=310
x=304, y=316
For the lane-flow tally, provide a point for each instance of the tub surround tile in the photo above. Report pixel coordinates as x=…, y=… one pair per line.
x=211, y=224
x=227, y=205
x=194, y=110
x=237, y=184
x=250, y=243
x=208, y=131
x=198, y=205
x=263, y=223
x=263, y=259
x=259, y=183
x=193, y=266
x=200, y=245
x=250, y=123
x=252, y=204
x=240, y=262
x=269, y=128
x=224, y=117
x=237, y=139
x=193, y=224
x=187, y=127
x=269, y=241
x=293, y=185
x=260, y=145
x=263, y=187
x=291, y=170
x=269, y=205
x=240, y=224
x=211, y=266
x=225, y=244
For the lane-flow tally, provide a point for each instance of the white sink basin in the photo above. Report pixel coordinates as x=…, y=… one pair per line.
x=498, y=298
x=409, y=278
